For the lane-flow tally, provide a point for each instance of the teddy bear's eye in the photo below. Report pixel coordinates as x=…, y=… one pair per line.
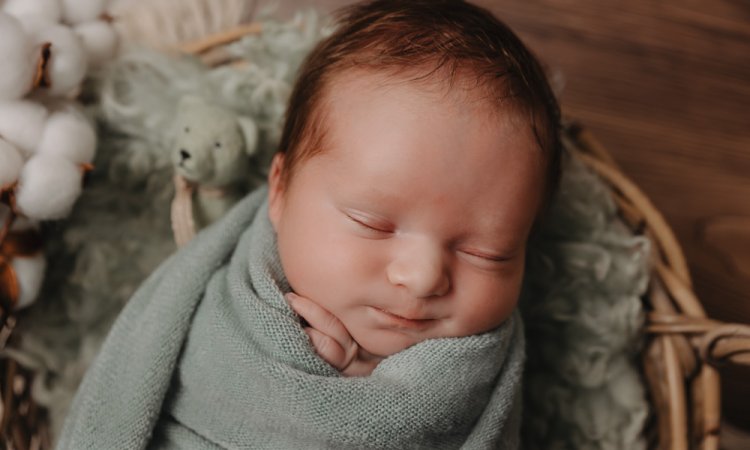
x=187, y=129
x=217, y=144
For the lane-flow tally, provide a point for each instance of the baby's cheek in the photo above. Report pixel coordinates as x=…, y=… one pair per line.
x=297, y=257
x=488, y=305
x=315, y=265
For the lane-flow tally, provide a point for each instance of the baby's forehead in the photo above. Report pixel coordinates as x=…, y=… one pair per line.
x=348, y=101
x=411, y=112
x=447, y=92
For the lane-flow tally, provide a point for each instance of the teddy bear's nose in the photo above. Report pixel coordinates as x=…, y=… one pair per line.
x=184, y=154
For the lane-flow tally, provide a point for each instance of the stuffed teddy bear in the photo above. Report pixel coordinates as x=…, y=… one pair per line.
x=211, y=153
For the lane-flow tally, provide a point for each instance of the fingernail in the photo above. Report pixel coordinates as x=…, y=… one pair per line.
x=290, y=297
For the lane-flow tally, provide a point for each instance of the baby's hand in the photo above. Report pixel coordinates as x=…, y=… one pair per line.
x=331, y=340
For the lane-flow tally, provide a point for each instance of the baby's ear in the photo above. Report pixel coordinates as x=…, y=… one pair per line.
x=250, y=133
x=276, y=189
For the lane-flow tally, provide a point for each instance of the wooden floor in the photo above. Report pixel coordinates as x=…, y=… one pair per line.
x=665, y=86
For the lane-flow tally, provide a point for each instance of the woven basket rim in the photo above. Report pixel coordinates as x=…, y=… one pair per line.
x=684, y=347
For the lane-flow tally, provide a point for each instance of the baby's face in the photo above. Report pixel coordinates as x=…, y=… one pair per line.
x=412, y=223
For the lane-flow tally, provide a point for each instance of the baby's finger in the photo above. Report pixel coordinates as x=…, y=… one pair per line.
x=328, y=348
x=359, y=368
x=323, y=321
x=362, y=365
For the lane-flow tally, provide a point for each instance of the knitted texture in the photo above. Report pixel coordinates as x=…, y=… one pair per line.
x=208, y=354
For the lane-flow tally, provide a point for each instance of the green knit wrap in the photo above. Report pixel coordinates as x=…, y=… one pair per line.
x=207, y=354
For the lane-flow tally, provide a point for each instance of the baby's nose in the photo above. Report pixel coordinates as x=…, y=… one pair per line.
x=421, y=269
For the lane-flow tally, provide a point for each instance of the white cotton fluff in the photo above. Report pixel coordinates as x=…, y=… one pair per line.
x=22, y=123
x=11, y=163
x=48, y=187
x=29, y=273
x=17, y=56
x=49, y=9
x=99, y=40
x=68, y=134
x=79, y=11
x=68, y=62
x=33, y=25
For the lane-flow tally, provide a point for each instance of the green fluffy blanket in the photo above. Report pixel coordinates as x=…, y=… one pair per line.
x=207, y=354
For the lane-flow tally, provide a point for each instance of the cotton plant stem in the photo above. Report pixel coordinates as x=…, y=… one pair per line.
x=9, y=292
x=42, y=77
x=7, y=224
x=8, y=399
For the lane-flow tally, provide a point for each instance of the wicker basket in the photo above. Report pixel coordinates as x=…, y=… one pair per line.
x=680, y=359
x=684, y=347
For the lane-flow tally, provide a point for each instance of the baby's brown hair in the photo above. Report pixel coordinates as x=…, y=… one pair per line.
x=438, y=37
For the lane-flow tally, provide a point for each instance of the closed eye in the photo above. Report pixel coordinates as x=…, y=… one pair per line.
x=485, y=259
x=368, y=223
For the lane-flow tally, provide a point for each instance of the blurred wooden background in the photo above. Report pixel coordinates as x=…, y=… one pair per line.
x=665, y=86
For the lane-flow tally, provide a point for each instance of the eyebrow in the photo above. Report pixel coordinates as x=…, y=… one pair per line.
x=372, y=192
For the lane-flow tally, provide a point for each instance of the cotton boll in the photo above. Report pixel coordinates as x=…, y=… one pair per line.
x=34, y=24
x=68, y=134
x=48, y=187
x=49, y=9
x=30, y=274
x=99, y=39
x=68, y=61
x=17, y=56
x=79, y=11
x=22, y=123
x=11, y=163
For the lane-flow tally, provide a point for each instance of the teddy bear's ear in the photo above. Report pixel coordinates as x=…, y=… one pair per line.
x=250, y=133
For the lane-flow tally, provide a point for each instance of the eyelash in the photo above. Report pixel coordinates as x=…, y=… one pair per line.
x=365, y=225
x=490, y=259
x=494, y=259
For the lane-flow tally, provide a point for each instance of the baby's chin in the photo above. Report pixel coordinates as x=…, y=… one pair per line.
x=386, y=342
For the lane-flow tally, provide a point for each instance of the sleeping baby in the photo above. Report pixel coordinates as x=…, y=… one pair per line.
x=366, y=297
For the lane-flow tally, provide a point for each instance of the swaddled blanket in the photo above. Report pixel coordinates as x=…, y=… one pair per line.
x=207, y=354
